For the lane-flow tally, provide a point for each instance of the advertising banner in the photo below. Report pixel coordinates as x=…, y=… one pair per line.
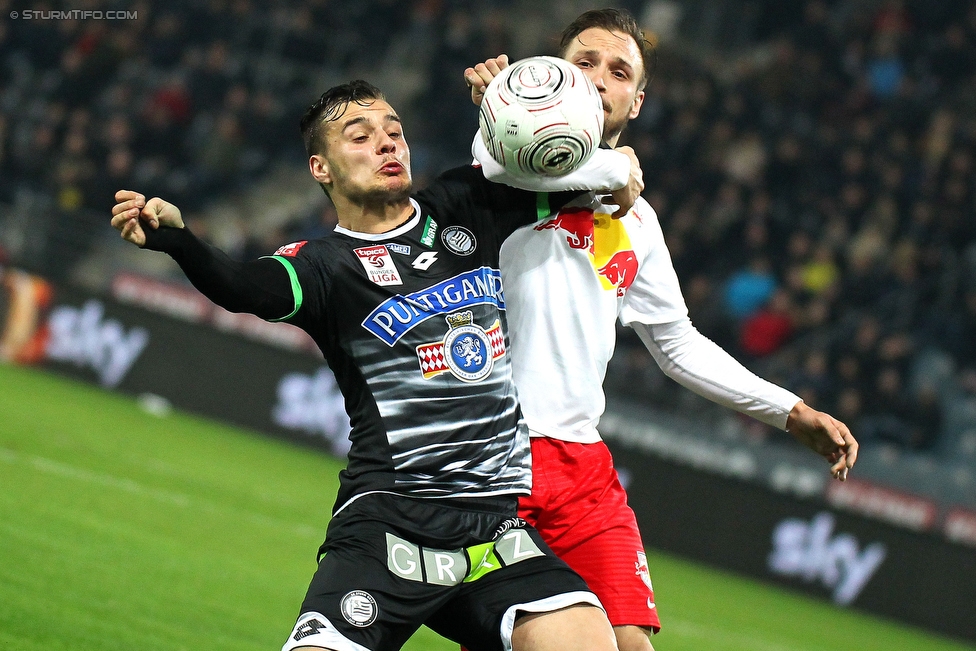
x=261, y=376
x=807, y=544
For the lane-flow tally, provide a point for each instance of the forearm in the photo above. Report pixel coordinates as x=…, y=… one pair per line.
x=261, y=287
x=606, y=170
x=697, y=363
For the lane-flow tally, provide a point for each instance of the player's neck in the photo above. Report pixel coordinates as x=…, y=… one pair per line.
x=373, y=218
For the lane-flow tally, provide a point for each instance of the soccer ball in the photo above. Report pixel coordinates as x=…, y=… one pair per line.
x=541, y=115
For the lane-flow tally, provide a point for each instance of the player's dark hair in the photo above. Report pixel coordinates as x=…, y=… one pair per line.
x=613, y=20
x=331, y=106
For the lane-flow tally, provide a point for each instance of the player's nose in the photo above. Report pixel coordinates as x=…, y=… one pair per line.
x=386, y=144
x=596, y=76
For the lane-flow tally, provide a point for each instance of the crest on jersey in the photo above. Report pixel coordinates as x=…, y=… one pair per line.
x=468, y=351
x=379, y=266
x=642, y=571
x=359, y=608
x=459, y=240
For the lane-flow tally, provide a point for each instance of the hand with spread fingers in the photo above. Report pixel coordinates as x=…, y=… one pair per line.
x=825, y=435
x=132, y=213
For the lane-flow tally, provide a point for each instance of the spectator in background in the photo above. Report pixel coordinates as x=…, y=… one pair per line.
x=885, y=70
x=750, y=288
x=6, y=171
x=219, y=154
x=768, y=329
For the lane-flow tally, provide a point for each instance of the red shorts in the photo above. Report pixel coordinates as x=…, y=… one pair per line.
x=580, y=508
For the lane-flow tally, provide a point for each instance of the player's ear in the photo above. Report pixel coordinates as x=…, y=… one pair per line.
x=319, y=167
x=636, y=106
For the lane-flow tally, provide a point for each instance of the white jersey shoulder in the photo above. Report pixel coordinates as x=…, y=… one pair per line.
x=567, y=280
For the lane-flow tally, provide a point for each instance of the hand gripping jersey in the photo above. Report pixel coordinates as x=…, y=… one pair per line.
x=413, y=324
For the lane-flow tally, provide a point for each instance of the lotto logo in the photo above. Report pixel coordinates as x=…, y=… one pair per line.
x=311, y=627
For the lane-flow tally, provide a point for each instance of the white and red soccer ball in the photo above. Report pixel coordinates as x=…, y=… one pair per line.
x=541, y=115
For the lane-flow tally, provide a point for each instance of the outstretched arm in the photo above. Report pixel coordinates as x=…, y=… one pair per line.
x=261, y=287
x=695, y=362
x=606, y=171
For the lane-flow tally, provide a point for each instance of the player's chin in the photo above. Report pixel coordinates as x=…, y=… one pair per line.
x=400, y=184
x=612, y=128
x=391, y=190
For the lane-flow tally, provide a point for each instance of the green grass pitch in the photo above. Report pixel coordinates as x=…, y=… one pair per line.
x=121, y=530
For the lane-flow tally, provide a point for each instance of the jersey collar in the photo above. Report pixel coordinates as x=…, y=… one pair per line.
x=396, y=232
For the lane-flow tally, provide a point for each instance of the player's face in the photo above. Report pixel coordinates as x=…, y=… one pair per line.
x=367, y=158
x=613, y=63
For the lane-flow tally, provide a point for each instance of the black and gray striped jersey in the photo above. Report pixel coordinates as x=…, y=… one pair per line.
x=412, y=324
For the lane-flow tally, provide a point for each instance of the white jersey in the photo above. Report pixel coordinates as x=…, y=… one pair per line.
x=570, y=277
x=566, y=280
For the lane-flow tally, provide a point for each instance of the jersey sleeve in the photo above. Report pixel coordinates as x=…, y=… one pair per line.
x=258, y=287
x=605, y=170
x=308, y=282
x=655, y=295
x=697, y=363
x=465, y=192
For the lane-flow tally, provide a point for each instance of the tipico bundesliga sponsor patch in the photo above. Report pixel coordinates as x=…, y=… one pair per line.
x=379, y=265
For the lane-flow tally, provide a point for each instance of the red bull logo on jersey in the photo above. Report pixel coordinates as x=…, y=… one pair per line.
x=577, y=223
x=620, y=271
x=605, y=241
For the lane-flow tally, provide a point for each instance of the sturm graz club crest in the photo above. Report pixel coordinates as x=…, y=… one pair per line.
x=463, y=352
x=359, y=608
x=459, y=240
x=467, y=348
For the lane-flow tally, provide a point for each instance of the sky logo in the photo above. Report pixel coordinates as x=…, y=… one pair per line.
x=811, y=551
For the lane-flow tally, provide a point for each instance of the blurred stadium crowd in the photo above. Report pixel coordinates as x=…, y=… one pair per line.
x=813, y=162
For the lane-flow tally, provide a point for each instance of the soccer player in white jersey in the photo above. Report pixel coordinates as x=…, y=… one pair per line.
x=567, y=280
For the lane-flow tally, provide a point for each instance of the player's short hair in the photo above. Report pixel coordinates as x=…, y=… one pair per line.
x=613, y=20
x=331, y=106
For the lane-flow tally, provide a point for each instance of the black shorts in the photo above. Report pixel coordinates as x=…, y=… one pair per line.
x=465, y=569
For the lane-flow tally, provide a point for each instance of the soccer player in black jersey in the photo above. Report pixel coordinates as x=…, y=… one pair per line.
x=405, y=301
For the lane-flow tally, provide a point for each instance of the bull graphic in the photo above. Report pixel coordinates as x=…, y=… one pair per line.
x=620, y=270
x=577, y=223
x=469, y=348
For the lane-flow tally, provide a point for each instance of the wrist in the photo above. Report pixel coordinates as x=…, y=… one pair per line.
x=795, y=414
